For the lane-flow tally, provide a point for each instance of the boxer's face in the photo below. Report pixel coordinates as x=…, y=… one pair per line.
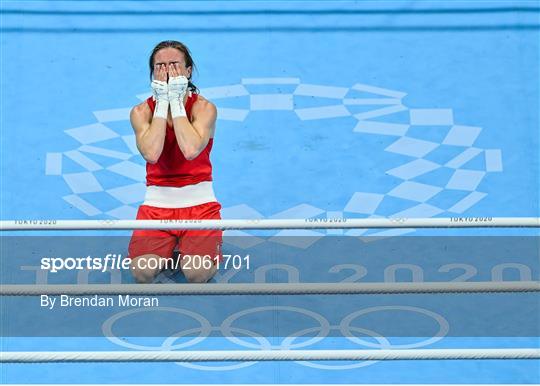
x=166, y=57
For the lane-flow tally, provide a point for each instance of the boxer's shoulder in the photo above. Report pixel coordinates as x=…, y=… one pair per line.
x=140, y=111
x=203, y=105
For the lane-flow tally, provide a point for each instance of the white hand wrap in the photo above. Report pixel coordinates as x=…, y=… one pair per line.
x=177, y=91
x=160, y=92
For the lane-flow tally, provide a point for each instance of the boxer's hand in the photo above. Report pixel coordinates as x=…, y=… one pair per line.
x=178, y=85
x=160, y=90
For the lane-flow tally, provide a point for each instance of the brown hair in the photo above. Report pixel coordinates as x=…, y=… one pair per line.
x=180, y=47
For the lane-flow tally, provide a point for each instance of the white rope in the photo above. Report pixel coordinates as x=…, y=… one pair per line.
x=339, y=223
x=268, y=288
x=266, y=355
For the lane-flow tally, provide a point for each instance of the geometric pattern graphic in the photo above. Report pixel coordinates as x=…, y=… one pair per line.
x=106, y=176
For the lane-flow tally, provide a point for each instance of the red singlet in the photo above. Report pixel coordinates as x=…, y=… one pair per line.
x=172, y=168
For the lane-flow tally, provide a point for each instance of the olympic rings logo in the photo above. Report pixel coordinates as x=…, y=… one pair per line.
x=294, y=341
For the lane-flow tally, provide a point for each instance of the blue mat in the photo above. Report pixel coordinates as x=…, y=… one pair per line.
x=325, y=110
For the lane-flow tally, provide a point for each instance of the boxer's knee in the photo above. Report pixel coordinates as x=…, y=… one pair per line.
x=200, y=275
x=146, y=267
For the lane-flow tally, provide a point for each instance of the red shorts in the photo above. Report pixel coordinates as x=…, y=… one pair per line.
x=188, y=242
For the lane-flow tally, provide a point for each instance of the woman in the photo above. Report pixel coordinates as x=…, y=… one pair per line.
x=174, y=129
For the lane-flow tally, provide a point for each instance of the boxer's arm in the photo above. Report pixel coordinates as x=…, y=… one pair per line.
x=192, y=137
x=150, y=130
x=149, y=135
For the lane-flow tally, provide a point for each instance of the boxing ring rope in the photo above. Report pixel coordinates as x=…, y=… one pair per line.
x=243, y=224
x=269, y=288
x=266, y=355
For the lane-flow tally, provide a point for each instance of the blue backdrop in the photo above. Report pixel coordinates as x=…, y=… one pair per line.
x=354, y=109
